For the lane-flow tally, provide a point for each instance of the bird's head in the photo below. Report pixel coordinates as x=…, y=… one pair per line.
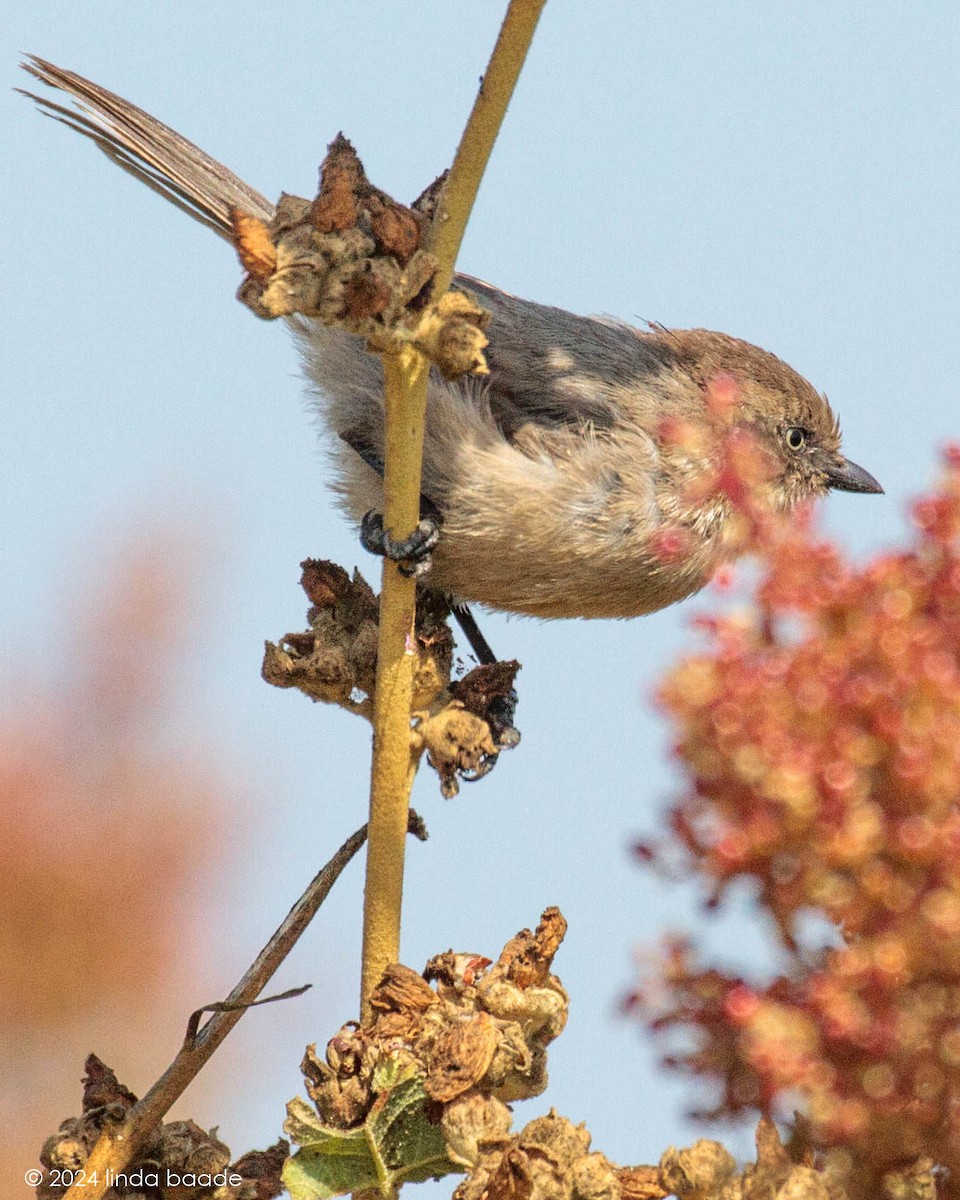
x=792, y=421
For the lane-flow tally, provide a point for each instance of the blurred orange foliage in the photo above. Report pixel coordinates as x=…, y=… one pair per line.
x=107, y=815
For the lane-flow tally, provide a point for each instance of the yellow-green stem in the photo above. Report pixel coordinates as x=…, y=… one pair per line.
x=405, y=377
x=473, y=153
x=405, y=383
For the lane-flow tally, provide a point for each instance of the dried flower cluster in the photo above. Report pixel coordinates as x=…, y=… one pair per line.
x=456, y=723
x=180, y=1161
x=353, y=257
x=428, y=1081
x=336, y=659
x=820, y=732
x=422, y=1091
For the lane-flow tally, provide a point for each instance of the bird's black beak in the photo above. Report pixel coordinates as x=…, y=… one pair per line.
x=846, y=476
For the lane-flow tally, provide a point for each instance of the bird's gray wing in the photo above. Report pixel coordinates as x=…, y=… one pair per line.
x=550, y=367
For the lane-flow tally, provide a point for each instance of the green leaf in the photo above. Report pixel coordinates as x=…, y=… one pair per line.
x=396, y=1144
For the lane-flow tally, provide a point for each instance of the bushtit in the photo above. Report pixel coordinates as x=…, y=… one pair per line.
x=553, y=477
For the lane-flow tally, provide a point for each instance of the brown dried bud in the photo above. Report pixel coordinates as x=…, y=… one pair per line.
x=405, y=1026
x=484, y=685
x=336, y=660
x=402, y=989
x=526, y=959
x=455, y=973
x=474, y=1124
x=640, y=1183
x=549, y=1159
x=455, y=741
x=65, y=1151
x=101, y=1088
x=342, y=1104
x=451, y=335
x=461, y=1057
x=262, y=1169
x=594, y=1177
x=564, y=1141
x=342, y=180
x=185, y=1147
x=366, y=293
x=323, y=581
x=395, y=229
x=323, y=674
x=513, y=1179
x=700, y=1170
x=345, y=1050
x=519, y=1067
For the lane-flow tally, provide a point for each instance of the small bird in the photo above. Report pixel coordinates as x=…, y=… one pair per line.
x=553, y=478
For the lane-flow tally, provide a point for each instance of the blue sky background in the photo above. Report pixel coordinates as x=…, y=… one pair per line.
x=787, y=174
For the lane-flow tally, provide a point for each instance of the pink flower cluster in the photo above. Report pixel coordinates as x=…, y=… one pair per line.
x=820, y=735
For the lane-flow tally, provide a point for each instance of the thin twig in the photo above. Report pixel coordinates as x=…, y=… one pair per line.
x=405, y=391
x=120, y=1144
x=219, y=1006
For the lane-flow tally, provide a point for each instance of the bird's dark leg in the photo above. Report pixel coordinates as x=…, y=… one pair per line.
x=412, y=555
x=502, y=711
x=415, y=549
x=471, y=631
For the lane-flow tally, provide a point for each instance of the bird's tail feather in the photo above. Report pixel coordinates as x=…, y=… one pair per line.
x=151, y=151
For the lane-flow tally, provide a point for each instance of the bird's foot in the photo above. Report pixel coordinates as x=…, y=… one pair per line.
x=506, y=736
x=411, y=554
x=500, y=715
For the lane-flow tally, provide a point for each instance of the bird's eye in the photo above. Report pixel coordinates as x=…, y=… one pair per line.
x=796, y=437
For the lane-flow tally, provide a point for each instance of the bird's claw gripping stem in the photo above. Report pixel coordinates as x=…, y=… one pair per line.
x=500, y=718
x=411, y=554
